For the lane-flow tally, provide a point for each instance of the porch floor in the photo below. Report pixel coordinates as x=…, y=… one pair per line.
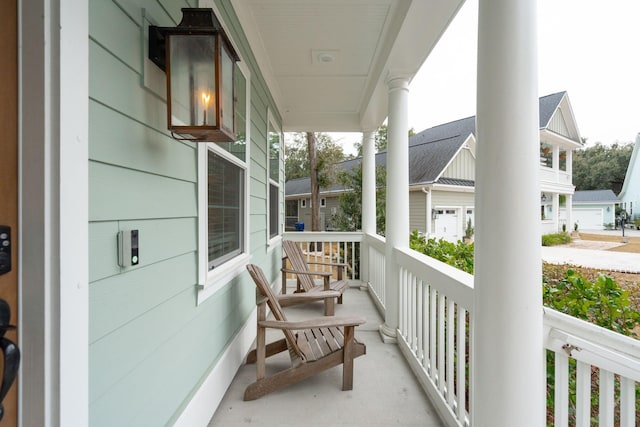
x=385, y=391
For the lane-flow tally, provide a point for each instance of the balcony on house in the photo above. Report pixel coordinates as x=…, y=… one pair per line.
x=434, y=343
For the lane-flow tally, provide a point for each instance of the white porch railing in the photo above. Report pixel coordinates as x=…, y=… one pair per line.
x=583, y=352
x=435, y=302
x=322, y=246
x=590, y=363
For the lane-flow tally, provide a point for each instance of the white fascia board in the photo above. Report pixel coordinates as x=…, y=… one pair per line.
x=633, y=161
x=561, y=140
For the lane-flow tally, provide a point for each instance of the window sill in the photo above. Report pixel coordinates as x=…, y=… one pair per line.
x=221, y=276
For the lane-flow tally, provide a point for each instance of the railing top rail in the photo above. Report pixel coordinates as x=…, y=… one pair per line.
x=452, y=282
x=588, y=331
x=323, y=236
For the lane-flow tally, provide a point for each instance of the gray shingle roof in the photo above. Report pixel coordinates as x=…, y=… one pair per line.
x=430, y=151
x=548, y=106
x=599, y=196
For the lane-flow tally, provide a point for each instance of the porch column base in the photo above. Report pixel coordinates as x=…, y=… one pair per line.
x=388, y=335
x=364, y=286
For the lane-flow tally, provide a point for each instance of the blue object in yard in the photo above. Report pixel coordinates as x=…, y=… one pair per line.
x=299, y=226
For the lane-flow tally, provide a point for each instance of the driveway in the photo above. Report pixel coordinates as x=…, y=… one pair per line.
x=601, y=250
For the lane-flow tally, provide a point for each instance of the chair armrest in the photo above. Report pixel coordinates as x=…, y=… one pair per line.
x=320, y=322
x=308, y=273
x=331, y=264
x=290, y=299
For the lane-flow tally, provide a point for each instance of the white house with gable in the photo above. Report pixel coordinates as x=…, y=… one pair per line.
x=630, y=194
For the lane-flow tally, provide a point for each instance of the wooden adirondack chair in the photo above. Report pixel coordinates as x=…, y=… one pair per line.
x=304, y=276
x=314, y=345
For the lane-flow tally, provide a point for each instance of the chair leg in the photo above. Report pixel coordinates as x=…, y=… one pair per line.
x=329, y=306
x=347, y=370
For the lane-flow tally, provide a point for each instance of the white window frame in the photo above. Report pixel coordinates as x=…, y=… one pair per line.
x=211, y=281
x=303, y=203
x=272, y=126
x=323, y=202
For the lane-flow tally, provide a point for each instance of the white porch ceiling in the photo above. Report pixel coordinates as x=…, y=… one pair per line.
x=326, y=61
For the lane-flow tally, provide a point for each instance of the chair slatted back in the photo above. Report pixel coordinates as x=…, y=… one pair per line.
x=265, y=290
x=298, y=263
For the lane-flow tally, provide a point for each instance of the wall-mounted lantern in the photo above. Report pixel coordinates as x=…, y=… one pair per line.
x=199, y=62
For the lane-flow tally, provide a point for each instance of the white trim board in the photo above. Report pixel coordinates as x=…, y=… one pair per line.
x=207, y=398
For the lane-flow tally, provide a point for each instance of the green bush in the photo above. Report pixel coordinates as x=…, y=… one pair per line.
x=459, y=255
x=602, y=302
x=555, y=239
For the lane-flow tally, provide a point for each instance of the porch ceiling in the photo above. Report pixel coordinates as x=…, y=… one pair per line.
x=326, y=61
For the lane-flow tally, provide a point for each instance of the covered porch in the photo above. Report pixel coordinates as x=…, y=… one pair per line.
x=427, y=378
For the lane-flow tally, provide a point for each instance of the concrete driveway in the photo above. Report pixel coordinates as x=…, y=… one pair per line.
x=594, y=254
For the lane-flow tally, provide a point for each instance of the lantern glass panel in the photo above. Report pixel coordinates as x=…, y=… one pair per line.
x=226, y=102
x=193, y=84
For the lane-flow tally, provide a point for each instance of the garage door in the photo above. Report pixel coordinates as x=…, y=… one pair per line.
x=446, y=224
x=588, y=219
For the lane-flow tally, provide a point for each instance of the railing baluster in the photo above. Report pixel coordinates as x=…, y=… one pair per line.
x=403, y=303
x=432, y=334
x=419, y=321
x=426, y=299
x=561, y=387
x=441, y=342
x=583, y=394
x=462, y=358
x=607, y=404
x=627, y=403
x=449, y=349
x=413, y=316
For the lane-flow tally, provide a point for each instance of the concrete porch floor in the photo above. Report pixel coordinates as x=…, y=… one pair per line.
x=385, y=391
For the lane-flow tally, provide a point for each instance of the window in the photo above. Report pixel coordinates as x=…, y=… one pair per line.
x=274, y=141
x=323, y=203
x=225, y=209
x=223, y=200
x=303, y=203
x=562, y=160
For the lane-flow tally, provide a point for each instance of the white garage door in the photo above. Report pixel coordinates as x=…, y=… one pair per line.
x=446, y=224
x=588, y=219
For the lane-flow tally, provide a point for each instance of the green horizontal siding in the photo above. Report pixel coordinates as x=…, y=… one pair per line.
x=151, y=344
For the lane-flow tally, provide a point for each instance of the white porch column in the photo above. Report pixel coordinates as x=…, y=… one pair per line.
x=368, y=183
x=397, y=213
x=569, y=210
x=507, y=357
x=368, y=199
x=555, y=211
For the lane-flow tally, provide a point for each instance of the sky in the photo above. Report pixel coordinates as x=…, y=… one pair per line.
x=590, y=48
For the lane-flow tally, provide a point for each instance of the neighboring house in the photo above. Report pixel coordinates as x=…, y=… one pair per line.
x=442, y=174
x=592, y=210
x=630, y=194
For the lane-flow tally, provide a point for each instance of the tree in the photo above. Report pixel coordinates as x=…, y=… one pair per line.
x=349, y=216
x=313, y=155
x=296, y=157
x=601, y=167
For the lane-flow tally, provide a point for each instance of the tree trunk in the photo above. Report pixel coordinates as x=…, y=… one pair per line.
x=315, y=187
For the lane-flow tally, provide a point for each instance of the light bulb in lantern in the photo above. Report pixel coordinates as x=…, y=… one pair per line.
x=206, y=97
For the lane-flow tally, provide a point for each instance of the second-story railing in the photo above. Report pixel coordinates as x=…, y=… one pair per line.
x=593, y=373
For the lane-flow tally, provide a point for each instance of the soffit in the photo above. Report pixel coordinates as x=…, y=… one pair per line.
x=326, y=61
